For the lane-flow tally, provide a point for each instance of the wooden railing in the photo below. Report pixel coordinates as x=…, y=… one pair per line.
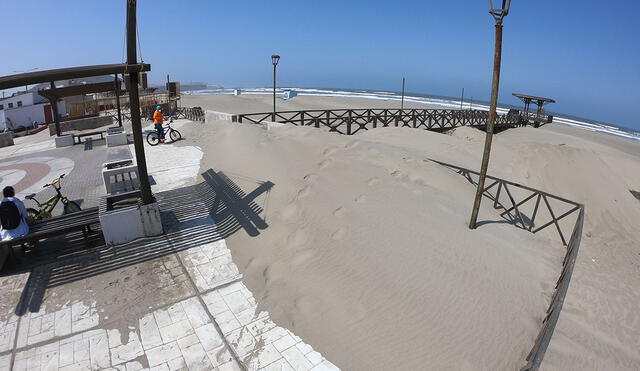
x=514, y=214
x=193, y=114
x=351, y=121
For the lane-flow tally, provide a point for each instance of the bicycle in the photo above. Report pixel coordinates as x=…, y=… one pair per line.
x=45, y=208
x=173, y=134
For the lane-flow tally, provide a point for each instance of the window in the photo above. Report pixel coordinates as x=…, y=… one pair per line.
x=19, y=103
x=10, y=105
x=1, y=106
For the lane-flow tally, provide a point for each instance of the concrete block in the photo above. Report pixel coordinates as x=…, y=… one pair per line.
x=115, y=130
x=6, y=139
x=120, y=176
x=218, y=116
x=118, y=139
x=121, y=225
x=64, y=141
x=123, y=219
x=151, y=222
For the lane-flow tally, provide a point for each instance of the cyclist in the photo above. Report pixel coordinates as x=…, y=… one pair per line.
x=157, y=122
x=13, y=216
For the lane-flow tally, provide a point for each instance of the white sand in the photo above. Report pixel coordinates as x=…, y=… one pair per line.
x=368, y=258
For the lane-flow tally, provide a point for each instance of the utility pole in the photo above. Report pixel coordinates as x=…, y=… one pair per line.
x=117, y=87
x=402, y=99
x=498, y=15
x=462, y=99
x=54, y=110
x=134, y=104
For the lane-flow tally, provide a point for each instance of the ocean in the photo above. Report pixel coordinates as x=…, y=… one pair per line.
x=444, y=102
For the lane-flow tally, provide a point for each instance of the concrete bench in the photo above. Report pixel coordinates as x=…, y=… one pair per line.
x=80, y=136
x=120, y=176
x=51, y=227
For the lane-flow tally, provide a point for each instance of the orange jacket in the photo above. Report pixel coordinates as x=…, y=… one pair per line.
x=157, y=117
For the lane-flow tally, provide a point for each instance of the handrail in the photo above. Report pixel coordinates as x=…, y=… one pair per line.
x=536, y=355
x=351, y=121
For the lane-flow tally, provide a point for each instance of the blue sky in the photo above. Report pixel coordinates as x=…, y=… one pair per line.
x=584, y=54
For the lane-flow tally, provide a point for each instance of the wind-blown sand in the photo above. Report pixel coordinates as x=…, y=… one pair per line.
x=369, y=259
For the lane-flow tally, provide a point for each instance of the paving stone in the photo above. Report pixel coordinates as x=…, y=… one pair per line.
x=66, y=354
x=62, y=321
x=163, y=353
x=196, y=358
x=176, y=313
x=195, y=313
x=209, y=337
x=262, y=357
x=176, y=331
x=325, y=366
x=99, y=347
x=296, y=359
x=149, y=332
x=220, y=355
x=125, y=352
x=177, y=364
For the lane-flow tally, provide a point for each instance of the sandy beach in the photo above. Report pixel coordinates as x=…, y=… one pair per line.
x=369, y=259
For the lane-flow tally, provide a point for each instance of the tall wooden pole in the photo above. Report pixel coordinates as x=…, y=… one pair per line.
x=462, y=99
x=117, y=84
x=492, y=119
x=54, y=110
x=134, y=104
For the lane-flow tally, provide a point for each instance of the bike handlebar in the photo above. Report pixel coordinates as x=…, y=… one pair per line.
x=54, y=182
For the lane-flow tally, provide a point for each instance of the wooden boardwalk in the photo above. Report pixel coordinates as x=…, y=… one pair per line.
x=351, y=121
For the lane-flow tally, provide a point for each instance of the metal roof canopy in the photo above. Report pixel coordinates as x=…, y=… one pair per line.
x=70, y=91
x=31, y=78
x=541, y=100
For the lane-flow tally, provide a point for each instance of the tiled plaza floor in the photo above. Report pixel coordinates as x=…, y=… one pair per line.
x=172, y=302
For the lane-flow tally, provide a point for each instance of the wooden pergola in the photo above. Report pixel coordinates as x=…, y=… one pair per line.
x=132, y=69
x=54, y=94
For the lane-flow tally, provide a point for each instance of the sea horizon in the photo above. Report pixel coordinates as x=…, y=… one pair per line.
x=431, y=99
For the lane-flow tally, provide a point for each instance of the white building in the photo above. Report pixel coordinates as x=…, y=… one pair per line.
x=24, y=107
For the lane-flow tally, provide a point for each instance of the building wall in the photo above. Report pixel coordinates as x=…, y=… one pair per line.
x=3, y=125
x=26, y=99
x=25, y=115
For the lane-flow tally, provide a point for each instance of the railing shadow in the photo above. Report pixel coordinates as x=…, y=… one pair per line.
x=191, y=216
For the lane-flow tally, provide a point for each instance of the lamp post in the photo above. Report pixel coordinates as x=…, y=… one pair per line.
x=498, y=15
x=274, y=60
x=402, y=99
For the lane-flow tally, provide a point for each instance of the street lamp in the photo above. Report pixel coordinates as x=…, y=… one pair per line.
x=274, y=59
x=498, y=15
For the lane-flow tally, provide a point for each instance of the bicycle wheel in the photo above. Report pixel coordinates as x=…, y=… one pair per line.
x=175, y=135
x=32, y=215
x=152, y=138
x=71, y=207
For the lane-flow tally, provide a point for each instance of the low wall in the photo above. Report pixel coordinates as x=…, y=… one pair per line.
x=82, y=124
x=215, y=116
x=6, y=139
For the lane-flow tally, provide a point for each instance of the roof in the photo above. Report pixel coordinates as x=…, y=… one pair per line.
x=533, y=97
x=82, y=89
x=36, y=77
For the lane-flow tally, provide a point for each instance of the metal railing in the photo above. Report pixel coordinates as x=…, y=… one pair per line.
x=351, y=121
x=514, y=214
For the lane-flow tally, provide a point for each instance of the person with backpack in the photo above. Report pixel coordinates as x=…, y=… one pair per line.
x=13, y=216
x=157, y=123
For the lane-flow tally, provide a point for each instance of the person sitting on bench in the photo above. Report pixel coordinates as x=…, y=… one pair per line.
x=13, y=216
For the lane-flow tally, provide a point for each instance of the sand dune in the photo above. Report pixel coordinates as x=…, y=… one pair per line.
x=368, y=257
